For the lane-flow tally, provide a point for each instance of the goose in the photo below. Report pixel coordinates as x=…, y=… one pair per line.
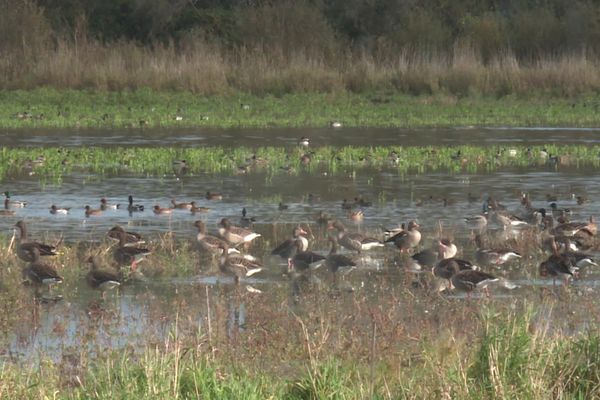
x=449, y=266
x=406, y=240
x=129, y=255
x=303, y=260
x=470, y=280
x=572, y=228
x=354, y=241
x=558, y=266
x=237, y=265
x=446, y=249
x=497, y=256
x=210, y=244
x=26, y=249
x=101, y=278
x=131, y=238
x=235, y=235
x=338, y=262
x=39, y=272
x=289, y=247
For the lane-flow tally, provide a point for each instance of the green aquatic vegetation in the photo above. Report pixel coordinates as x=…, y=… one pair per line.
x=144, y=108
x=52, y=163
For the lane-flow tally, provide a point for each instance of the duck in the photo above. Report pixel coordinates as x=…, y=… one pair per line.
x=354, y=241
x=198, y=209
x=570, y=229
x=408, y=239
x=92, y=212
x=288, y=247
x=282, y=207
x=304, y=141
x=356, y=215
x=497, y=256
x=101, y=278
x=337, y=262
x=235, y=235
x=208, y=243
x=181, y=206
x=245, y=221
x=26, y=249
x=59, y=210
x=39, y=272
x=508, y=220
x=423, y=259
x=7, y=213
x=131, y=238
x=237, y=265
x=8, y=202
x=478, y=222
x=214, y=196
x=105, y=205
x=158, y=210
x=361, y=202
x=134, y=207
x=559, y=211
x=129, y=255
x=346, y=205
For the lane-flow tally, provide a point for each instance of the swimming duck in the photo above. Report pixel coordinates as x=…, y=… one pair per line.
x=304, y=141
x=91, y=212
x=407, y=239
x=105, y=205
x=245, y=221
x=158, y=210
x=214, y=196
x=59, y=210
x=27, y=248
x=282, y=207
x=101, y=278
x=354, y=241
x=235, y=235
x=198, y=209
x=134, y=207
x=237, y=265
x=8, y=202
x=181, y=206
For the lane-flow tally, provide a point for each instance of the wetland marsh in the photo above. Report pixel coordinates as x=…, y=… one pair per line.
x=180, y=328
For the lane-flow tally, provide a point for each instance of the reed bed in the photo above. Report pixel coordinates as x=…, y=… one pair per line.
x=52, y=163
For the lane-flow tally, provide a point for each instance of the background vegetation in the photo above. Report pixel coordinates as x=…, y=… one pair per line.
x=210, y=47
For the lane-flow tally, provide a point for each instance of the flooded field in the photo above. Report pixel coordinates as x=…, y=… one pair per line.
x=180, y=292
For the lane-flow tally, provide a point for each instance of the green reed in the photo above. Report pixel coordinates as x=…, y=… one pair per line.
x=53, y=163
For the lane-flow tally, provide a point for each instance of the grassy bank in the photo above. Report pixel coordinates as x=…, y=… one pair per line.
x=505, y=359
x=55, y=162
x=49, y=108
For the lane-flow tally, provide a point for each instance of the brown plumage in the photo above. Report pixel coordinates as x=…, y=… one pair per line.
x=237, y=265
x=39, y=272
x=129, y=255
x=208, y=243
x=101, y=278
x=25, y=247
x=131, y=238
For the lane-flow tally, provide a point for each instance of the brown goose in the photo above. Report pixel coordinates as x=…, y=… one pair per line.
x=559, y=265
x=235, y=235
x=406, y=240
x=303, y=260
x=289, y=247
x=497, y=256
x=208, y=243
x=131, y=238
x=469, y=280
x=101, y=278
x=336, y=262
x=129, y=255
x=354, y=241
x=572, y=228
x=449, y=266
x=237, y=265
x=26, y=248
x=39, y=272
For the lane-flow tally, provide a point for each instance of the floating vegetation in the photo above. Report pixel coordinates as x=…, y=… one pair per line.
x=54, y=162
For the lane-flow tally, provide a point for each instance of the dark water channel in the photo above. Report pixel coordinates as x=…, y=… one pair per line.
x=143, y=313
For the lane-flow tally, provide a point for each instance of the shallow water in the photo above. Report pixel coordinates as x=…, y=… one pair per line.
x=143, y=313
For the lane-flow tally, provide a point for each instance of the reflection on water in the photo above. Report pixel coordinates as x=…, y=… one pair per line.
x=146, y=312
